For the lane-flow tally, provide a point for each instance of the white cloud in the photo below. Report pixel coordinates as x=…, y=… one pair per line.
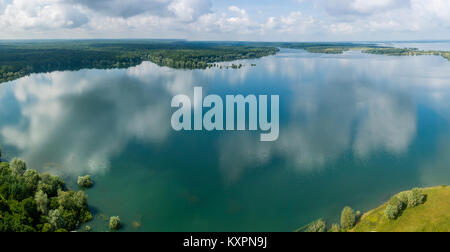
x=201, y=19
x=41, y=14
x=434, y=11
x=361, y=7
x=184, y=9
x=189, y=10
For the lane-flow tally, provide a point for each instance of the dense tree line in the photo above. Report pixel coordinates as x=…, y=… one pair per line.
x=20, y=59
x=34, y=202
x=402, y=201
x=340, y=48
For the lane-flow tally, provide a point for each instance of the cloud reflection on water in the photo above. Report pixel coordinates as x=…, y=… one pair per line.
x=335, y=106
x=79, y=120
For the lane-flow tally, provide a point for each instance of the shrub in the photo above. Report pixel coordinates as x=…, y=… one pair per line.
x=394, y=208
x=415, y=197
x=335, y=228
x=114, y=223
x=391, y=212
x=85, y=181
x=18, y=167
x=403, y=197
x=4, y=166
x=318, y=226
x=47, y=228
x=348, y=218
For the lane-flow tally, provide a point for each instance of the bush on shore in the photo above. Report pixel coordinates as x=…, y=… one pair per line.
x=348, y=218
x=402, y=201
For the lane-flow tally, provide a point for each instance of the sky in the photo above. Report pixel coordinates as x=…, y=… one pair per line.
x=249, y=20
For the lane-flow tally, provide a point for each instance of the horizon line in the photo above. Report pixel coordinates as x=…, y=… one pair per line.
x=228, y=41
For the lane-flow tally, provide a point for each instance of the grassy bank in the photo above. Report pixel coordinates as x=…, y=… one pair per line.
x=432, y=216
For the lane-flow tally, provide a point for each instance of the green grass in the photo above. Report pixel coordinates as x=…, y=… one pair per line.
x=432, y=216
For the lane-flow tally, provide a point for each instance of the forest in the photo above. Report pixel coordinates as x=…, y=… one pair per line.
x=38, y=202
x=21, y=58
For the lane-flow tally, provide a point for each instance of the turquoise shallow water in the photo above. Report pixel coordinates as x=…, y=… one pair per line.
x=355, y=129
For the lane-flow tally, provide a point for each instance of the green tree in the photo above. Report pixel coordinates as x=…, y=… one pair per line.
x=55, y=219
x=394, y=208
x=335, y=228
x=348, y=218
x=50, y=184
x=318, y=226
x=47, y=228
x=72, y=200
x=30, y=209
x=416, y=197
x=31, y=179
x=18, y=166
x=41, y=201
x=4, y=167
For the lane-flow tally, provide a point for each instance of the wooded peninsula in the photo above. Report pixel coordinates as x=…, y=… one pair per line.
x=19, y=59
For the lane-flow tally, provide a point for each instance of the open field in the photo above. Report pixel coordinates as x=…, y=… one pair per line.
x=432, y=216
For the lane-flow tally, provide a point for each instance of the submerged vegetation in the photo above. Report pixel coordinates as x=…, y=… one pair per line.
x=114, y=223
x=85, y=181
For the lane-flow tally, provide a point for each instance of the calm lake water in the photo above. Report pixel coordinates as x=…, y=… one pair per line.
x=355, y=129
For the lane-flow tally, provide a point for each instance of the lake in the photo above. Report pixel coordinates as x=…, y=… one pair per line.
x=354, y=130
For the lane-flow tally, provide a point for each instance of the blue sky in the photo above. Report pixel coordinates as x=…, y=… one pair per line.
x=253, y=20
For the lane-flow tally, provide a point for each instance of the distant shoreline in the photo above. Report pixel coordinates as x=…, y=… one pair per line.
x=18, y=60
